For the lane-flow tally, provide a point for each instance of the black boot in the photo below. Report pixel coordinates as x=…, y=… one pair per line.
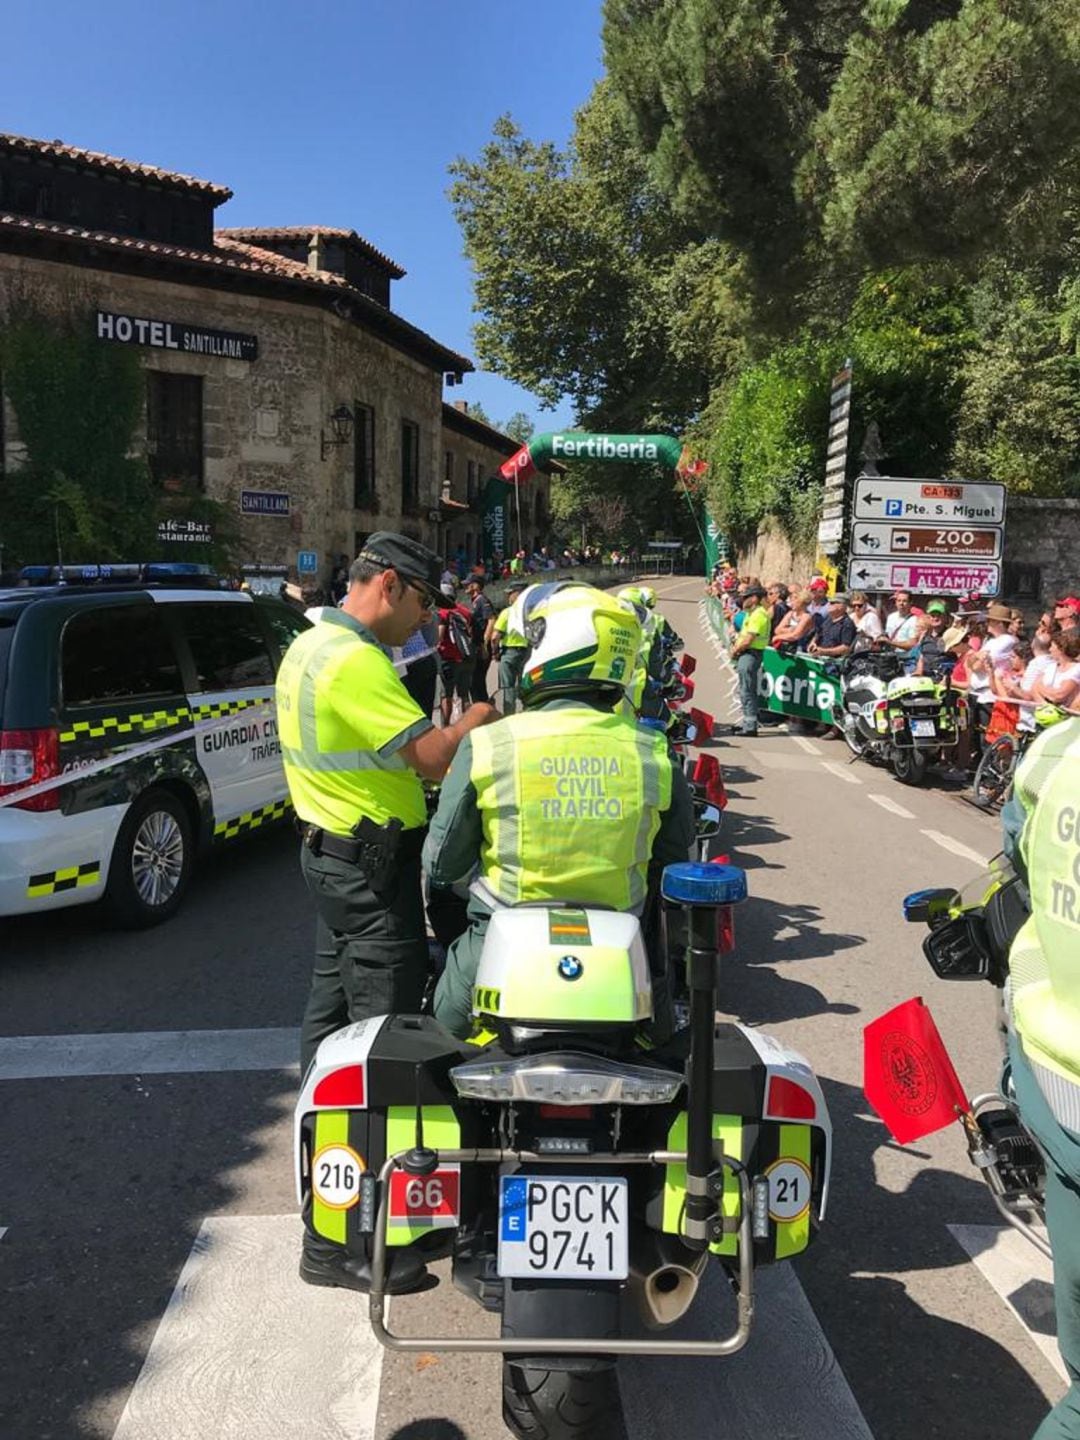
x=323, y=1263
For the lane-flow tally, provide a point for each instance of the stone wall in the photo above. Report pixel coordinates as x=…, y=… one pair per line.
x=263, y=419
x=772, y=557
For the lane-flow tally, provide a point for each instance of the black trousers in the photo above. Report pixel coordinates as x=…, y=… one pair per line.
x=371, y=950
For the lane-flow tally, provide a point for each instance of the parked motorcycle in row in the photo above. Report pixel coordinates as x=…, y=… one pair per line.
x=908, y=722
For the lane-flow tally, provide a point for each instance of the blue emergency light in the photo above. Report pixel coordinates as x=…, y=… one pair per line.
x=694, y=883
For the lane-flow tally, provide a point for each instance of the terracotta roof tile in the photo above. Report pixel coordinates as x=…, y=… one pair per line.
x=235, y=256
x=303, y=232
x=110, y=164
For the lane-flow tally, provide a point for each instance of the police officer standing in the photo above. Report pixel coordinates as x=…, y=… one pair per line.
x=1044, y=996
x=508, y=647
x=355, y=746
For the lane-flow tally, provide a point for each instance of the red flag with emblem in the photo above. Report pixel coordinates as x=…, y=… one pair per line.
x=704, y=723
x=907, y=1074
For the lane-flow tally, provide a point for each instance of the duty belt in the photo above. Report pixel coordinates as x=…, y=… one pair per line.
x=376, y=847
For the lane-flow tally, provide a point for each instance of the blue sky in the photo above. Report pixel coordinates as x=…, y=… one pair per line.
x=335, y=115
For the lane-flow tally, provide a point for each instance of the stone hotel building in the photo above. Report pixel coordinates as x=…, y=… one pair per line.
x=279, y=378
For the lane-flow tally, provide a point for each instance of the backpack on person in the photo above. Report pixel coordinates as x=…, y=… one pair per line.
x=459, y=633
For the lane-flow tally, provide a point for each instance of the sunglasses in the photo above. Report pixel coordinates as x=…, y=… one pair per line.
x=427, y=600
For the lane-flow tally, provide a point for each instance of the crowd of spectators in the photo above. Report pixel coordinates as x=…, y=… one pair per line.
x=1008, y=668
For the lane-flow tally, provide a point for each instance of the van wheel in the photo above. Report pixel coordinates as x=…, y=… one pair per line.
x=562, y=1404
x=151, y=862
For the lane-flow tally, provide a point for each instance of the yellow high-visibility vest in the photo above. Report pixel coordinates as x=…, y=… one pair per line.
x=571, y=801
x=343, y=716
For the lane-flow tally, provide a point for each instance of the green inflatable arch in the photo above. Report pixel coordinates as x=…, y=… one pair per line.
x=580, y=445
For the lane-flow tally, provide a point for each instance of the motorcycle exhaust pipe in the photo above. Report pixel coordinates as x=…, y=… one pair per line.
x=664, y=1275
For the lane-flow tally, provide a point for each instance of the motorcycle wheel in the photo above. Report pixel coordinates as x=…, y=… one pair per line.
x=850, y=731
x=562, y=1404
x=910, y=766
x=994, y=775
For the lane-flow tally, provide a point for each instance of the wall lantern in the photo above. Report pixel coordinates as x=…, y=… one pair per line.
x=341, y=423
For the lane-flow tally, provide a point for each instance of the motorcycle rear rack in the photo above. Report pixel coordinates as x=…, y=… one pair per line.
x=549, y=1345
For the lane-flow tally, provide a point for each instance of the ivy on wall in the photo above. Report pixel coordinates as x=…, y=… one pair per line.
x=81, y=495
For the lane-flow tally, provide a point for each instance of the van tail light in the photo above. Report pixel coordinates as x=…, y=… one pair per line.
x=27, y=757
x=341, y=1088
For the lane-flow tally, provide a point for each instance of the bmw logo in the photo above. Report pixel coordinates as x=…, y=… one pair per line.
x=571, y=968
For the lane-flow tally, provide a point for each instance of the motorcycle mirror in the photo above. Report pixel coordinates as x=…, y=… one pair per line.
x=926, y=906
x=959, y=949
x=707, y=822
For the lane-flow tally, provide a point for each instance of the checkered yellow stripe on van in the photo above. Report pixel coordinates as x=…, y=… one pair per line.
x=140, y=723
x=55, y=882
x=147, y=722
x=227, y=707
x=241, y=824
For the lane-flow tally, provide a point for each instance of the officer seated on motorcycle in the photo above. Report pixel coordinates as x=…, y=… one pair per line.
x=569, y=801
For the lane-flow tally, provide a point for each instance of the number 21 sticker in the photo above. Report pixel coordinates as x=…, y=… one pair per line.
x=335, y=1176
x=789, y=1190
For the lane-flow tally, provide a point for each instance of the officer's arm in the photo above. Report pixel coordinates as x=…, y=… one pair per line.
x=675, y=838
x=430, y=754
x=452, y=847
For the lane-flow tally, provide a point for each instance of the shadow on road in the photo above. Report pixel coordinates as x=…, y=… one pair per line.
x=915, y=1374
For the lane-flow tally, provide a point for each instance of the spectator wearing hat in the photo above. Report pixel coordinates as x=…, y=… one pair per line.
x=930, y=650
x=837, y=631
x=355, y=748
x=747, y=652
x=995, y=653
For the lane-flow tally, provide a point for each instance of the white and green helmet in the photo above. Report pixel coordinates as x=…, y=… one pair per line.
x=580, y=638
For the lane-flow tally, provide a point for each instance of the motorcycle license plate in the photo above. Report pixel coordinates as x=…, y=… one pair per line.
x=923, y=729
x=563, y=1227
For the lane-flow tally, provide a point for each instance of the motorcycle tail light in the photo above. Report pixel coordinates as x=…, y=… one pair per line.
x=341, y=1088
x=565, y=1081
x=787, y=1100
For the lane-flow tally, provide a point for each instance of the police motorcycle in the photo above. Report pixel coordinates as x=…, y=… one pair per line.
x=970, y=932
x=908, y=722
x=581, y=1169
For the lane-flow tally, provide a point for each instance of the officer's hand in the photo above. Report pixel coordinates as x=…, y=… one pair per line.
x=481, y=712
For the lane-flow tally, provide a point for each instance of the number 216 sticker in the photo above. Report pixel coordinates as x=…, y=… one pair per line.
x=789, y=1190
x=335, y=1176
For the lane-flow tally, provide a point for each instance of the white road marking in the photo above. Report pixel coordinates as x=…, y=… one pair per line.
x=245, y=1344
x=807, y=745
x=842, y=772
x=778, y=760
x=888, y=803
x=814, y=1402
x=954, y=847
x=151, y=1052
x=1021, y=1276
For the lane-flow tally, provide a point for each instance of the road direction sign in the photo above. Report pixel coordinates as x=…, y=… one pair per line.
x=957, y=578
x=879, y=497
x=307, y=562
x=830, y=530
x=941, y=542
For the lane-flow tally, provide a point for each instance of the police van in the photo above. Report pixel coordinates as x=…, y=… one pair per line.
x=137, y=731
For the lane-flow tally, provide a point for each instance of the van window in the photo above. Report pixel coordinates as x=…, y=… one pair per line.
x=285, y=624
x=227, y=646
x=117, y=652
x=7, y=630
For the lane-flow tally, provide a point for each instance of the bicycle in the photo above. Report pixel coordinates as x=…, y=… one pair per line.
x=992, y=784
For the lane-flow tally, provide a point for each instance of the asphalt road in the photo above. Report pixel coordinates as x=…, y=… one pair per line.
x=147, y=1217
